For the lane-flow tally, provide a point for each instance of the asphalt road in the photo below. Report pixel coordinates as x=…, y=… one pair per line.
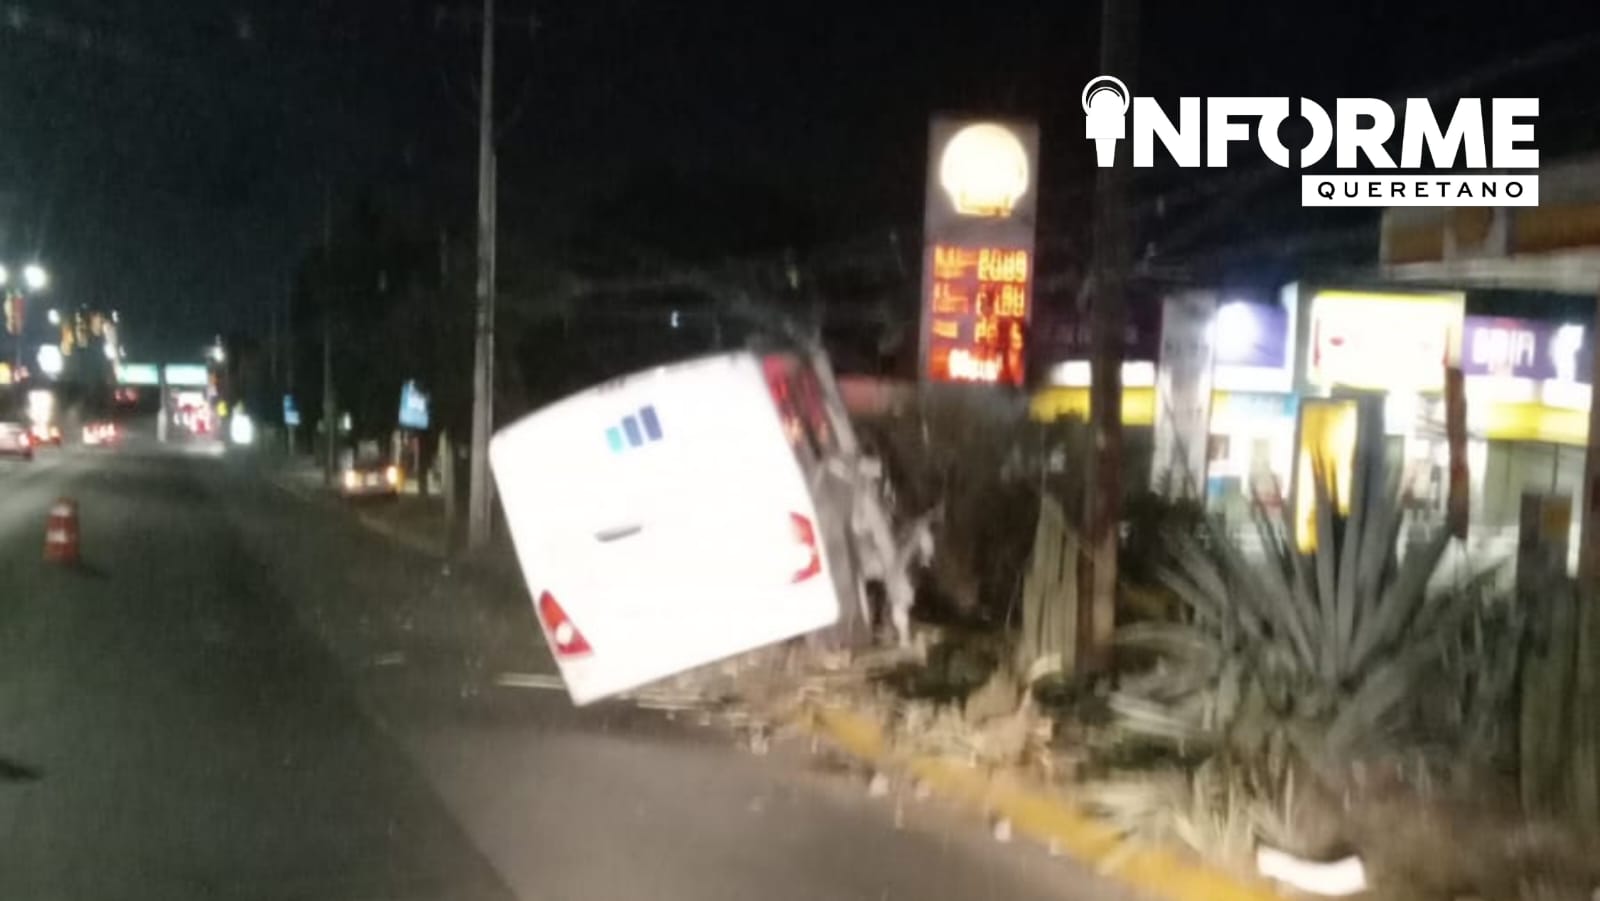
x=242, y=693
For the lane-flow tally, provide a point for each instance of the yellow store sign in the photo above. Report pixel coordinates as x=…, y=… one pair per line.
x=1383, y=342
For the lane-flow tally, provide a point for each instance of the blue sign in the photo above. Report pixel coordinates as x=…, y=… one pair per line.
x=1255, y=335
x=291, y=413
x=413, y=407
x=634, y=431
x=1534, y=349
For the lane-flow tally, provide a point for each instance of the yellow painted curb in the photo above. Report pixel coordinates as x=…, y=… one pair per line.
x=1046, y=819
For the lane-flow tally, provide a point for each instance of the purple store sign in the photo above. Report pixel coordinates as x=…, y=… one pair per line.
x=1063, y=334
x=1526, y=349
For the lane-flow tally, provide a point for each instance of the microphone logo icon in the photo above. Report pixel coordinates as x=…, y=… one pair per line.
x=1105, y=111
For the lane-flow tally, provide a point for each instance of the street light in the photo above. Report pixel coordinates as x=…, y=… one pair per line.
x=50, y=360
x=54, y=316
x=34, y=276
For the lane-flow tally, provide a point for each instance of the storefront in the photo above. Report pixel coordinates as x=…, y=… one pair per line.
x=1525, y=378
x=1527, y=413
x=1253, y=406
x=1252, y=415
x=1534, y=421
x=1395, y=344
x=1526, y=389
x=1061, y=349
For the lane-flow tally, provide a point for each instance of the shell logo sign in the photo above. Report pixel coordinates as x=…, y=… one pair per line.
x=984, y=170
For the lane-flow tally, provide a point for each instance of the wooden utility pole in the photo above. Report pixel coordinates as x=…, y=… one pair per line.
x=1584, y=774
x=1103, y=498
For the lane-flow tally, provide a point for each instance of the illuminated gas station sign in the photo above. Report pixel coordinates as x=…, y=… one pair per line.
x=977, y=274
x=977, y=314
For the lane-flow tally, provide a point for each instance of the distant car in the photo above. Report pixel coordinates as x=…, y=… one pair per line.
x=370, y=479
x=101, y=434
x=46, y=434
x=15, y=440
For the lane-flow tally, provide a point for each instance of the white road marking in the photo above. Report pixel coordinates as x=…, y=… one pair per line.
x=542, y=681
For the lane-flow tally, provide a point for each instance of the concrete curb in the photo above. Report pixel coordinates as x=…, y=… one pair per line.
x=1050, y=820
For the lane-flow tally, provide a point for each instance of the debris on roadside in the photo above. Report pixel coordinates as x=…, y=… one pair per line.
x=1335, y=878
x=878, y=785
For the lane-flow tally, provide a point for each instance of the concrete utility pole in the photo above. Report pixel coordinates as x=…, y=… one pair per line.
x=480, y=499
x=288, y=358
x=164, y=417
x=1103, y=498
x=1585, y=770
x=330, y=412
x=272, y=344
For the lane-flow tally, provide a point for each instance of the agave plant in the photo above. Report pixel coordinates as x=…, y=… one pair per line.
x=1328, y=649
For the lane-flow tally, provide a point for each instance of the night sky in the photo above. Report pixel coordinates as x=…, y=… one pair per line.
x=169, y=158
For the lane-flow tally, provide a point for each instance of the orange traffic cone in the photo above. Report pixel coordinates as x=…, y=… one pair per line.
x=61, y=534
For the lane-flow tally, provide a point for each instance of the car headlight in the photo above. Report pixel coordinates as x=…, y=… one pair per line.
x=350, y=478
x=392, y=474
